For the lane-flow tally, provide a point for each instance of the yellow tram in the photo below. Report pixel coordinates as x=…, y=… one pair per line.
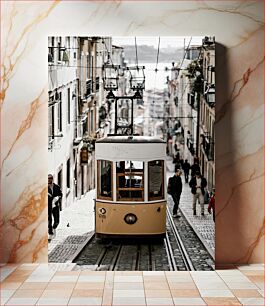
x=130, y=186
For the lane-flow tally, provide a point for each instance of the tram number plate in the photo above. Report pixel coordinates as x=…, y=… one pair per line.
x=102, y=216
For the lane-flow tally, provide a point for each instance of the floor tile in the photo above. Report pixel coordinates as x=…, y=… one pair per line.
x=156, y=286
x=256, y=278
x=10, y=286
x=182, y=293
x=28, y=293
x=95, y=273
x=159, y=301
x=33, y=286
x=22, y=301
x=128, y=293
x=87, y=293
x=232, y=272
x=107, y=297
x=253, y=272
x=53, y=301
x=246, y=293
x=216, y=293
x=261, y=292
x=241, y=285
x=56, y=294
x=6, y=293
x=131, y=301
x=251, y=267
x=91, y=278
x=89, y=285
x=60, y=286
x=157, y=293
x=211, y=285
x=153, y=273
x=64, y=279
x=128, y=279
x=251, y=301
x=155, y=278
x=235, y=279
x=85, y=301
x=260, y=285
x=6, y=271
x=188, y=301
x=128, y=286
x=128, y=273
x=215, y=301
x=173, y=286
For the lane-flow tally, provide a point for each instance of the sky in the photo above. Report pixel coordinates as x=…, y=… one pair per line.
x=165, y=41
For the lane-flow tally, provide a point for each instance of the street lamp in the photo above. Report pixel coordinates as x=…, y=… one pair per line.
x=137, y=77
x=110, y=75
x=210, y=95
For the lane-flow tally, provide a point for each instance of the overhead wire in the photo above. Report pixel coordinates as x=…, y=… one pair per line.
x=136, y=51
x=157, y=57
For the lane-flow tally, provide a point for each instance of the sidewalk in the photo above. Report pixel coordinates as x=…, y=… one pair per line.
x=202, y=225
x=76, y=226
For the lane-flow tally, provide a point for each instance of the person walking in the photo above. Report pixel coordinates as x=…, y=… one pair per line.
x=54, y=199
x=186, y=169
x=175, y=189
x=195, y=167
x=211, y=206
x=197, y=185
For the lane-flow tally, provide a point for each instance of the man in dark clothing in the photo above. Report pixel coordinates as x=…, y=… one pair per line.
x=195, y=168
x=54, y=198
x=175, y=189
x=197, y=185
x=186, y=169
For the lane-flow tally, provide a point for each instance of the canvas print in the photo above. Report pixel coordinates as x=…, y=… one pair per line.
x=131, y=178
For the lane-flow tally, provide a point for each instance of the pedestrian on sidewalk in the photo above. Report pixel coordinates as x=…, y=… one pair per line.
x=175, y=189
x=197, y=185
x=54, y=200
x=186, y=169
x=195, y=167
x=211, y=206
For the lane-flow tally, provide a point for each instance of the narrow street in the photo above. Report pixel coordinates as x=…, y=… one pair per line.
x=78, y=222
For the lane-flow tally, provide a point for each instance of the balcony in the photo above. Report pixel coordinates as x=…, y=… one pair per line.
x=208, y=147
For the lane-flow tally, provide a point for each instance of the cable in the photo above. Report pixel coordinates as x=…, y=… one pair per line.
x=136, y=51
x=156, y=65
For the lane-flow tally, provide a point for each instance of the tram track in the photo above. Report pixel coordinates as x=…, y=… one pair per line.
x=169, y=254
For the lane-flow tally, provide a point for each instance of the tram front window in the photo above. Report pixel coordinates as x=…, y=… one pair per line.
x=130, y=181
x=105, y=179
x=156, y=180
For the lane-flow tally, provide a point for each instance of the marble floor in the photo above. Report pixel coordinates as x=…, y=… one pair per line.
x=58, y=284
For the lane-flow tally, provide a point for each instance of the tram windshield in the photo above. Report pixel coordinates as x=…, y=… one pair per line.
x=130, y=180
x=156, y=180
x=105, y=179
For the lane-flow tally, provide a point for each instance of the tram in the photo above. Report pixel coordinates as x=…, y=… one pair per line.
x=130, y=186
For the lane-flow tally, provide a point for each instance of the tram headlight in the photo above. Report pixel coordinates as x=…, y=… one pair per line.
x=102, y=211
x=130, y=218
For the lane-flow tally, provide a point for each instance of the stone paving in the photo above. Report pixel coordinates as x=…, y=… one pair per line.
x=76, y=226
x=202, y=225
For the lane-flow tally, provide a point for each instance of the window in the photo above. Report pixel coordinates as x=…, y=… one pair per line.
x=130, y=180
x=68, y=106
x=156, y=180
x=60, y=113
x=51, y=122
x=104, y=179
x=68, y=173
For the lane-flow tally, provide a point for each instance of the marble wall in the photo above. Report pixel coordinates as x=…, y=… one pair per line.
x=239, y=30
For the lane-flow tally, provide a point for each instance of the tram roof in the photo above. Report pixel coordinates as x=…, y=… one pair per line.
x=130, y=139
